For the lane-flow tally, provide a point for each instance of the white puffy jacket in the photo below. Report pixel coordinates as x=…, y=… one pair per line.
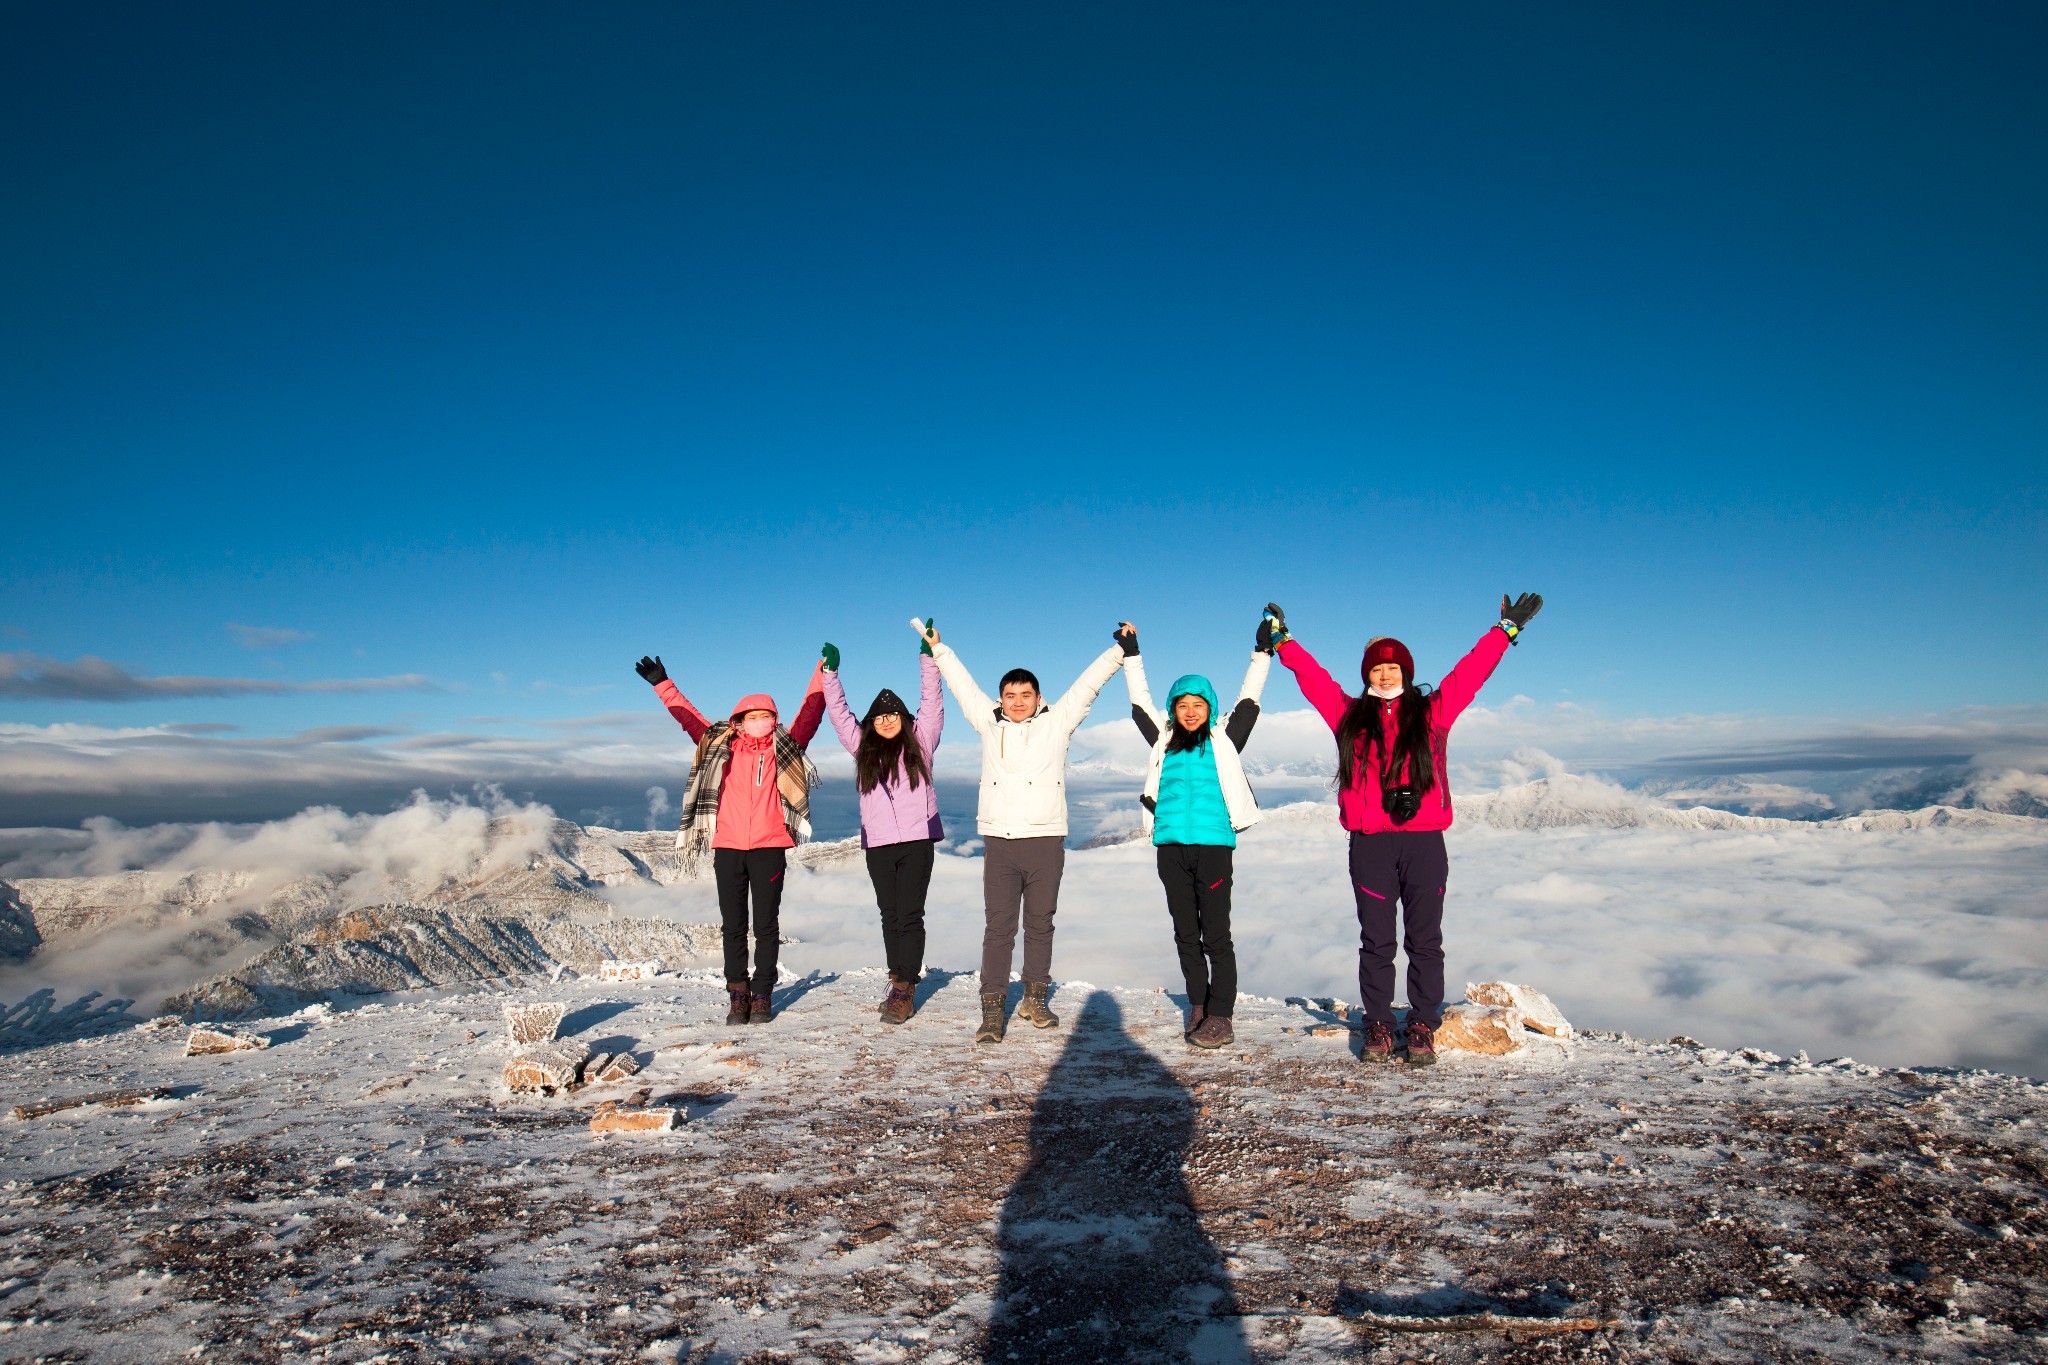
x=1024, y=762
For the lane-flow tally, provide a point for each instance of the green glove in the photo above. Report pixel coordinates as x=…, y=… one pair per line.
x=925, y=646
x=830, y=653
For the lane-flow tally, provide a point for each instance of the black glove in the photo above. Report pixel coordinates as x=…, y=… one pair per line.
x=651, y=670
x=1275, y=630
x=1518, y=613
x=1127, y=638
x=1264, y=641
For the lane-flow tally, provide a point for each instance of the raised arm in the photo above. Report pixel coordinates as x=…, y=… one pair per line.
x=1072, y=707
x=931, y=704
x=1463, y=682
x=671, y=696
x=1147, y=717
x=812, y=712
x=843, y=723
x=980, y=711
x=1245, y=714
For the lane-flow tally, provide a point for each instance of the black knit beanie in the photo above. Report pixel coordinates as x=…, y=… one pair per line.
x=884, y=703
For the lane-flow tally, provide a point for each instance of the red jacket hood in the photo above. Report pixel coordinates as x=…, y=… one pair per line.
x=759, y=701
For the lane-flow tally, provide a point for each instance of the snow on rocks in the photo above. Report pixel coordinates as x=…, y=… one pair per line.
x=616, y=1066
x=547, y=1068
x=611, y=1118
x=1487, y=1029
x=533, y=1022
x=205, y=1041
x=1533, y=1005
x=612, y=969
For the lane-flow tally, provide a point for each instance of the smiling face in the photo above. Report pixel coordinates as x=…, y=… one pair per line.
x=1020, y=701
x=1191, y=711
x=1386, y=676
x=888, y=725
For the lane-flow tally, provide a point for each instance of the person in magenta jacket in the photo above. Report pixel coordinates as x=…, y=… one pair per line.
x=748, y=800
x=1394, y=795
x=899, y=813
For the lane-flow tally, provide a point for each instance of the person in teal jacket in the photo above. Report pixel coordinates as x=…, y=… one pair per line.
x=1196, y=801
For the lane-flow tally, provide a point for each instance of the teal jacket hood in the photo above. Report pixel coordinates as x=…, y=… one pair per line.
x=1192, y=684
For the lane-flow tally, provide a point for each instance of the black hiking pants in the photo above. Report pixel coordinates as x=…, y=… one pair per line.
x=1411, y=868
x=902, y=874
x=1197, y=880
x=739, y=871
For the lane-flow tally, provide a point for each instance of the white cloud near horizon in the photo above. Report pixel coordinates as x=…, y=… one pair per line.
x=605, y=763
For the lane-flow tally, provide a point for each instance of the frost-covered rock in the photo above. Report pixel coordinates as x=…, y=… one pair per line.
x=613, y=970
x=1533, y=1005
x=618, y=1068
x=546, y=1067
x=533, y=1022
x=1487, y=1029
x=611, y=1119
x=209, y=1040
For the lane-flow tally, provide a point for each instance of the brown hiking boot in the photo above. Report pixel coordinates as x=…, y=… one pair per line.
x=1421, y=1044
x=1195, y=1017
x=991, y=1030
x=740, y=1006
x=901, y=1002
x=760, y=1009
x=1379, y=1043
x=1213, y=1031
x=1033, y=1010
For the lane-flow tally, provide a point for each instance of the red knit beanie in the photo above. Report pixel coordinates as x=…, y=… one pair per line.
x=1385, y=649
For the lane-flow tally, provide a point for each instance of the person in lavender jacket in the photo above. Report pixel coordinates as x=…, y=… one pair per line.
x=899, y=813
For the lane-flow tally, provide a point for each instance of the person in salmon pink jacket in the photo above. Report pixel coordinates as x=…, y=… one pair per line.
x=899, y=813
x=1393, y=794
x=748, y=801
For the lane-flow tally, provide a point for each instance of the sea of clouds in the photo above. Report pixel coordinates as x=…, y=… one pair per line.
x=1920, y=946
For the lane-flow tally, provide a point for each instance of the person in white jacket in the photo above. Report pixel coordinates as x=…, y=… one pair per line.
x=1022, y=819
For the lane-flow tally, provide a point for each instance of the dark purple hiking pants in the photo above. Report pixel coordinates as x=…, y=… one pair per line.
x=1410, y=868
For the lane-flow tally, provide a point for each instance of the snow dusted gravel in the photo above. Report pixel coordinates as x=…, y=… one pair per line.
x=841, y=1190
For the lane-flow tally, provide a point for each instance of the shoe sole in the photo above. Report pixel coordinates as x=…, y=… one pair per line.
x=1378, y=1058
x=1211, y=1047
x=1428, y=1059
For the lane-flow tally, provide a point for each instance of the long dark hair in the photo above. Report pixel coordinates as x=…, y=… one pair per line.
x=877, y=759
x=1414, y=743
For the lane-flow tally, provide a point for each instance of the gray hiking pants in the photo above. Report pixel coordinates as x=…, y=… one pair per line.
x=1014, y=872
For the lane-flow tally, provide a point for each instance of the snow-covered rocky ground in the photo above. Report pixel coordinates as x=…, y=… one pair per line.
x=365, y=1187
x=840, y=1190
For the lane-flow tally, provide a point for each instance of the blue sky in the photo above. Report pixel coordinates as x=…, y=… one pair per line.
x=473, y=351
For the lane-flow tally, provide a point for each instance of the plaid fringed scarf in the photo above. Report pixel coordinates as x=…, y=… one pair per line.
x=794, y=777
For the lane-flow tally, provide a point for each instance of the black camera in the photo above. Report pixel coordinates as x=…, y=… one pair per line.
x=1400, y=803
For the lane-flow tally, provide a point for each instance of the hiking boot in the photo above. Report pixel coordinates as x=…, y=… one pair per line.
x=901, y=1002
x=1195, y=1017
x=1379, y=1043
x=760, y=1009
x=991, y=1030
x=1213, y=1031
x=1033, y=1010
x=1421, y=1044
x=740, y=1005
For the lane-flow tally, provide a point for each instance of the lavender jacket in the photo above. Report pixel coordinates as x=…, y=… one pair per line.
x=894, y=813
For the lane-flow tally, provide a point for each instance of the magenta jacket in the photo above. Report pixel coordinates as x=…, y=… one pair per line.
x=1358, y=806
x=894, y=813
